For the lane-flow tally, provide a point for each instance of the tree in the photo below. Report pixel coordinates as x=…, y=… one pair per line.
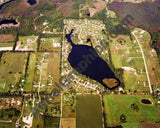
x=123, y=118
x=134, y=107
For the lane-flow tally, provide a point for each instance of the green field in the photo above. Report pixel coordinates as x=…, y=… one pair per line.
x=131, y=125
x=30, y=72
x=116, y=105
x=88, y=112
x=12, y=67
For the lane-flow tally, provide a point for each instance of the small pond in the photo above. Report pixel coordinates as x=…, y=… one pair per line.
x=146, y=101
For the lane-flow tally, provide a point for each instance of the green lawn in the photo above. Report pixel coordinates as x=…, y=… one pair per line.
x=88, y=111
x=131, y=125
x=116, y=105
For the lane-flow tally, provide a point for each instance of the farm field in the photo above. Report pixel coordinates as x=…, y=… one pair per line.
x=12, y=72
x=27, y=43
x=88, y=114
x=118, y=105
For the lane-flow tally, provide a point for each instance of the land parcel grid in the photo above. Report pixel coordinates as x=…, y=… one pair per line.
x=27, y=43
x=151, y=58
x=119, y=109
x=88, y=111
x=47, y=70
x=12, y=71
x=126, y=54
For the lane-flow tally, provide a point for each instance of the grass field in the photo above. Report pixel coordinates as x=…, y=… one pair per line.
x=12, y=68
x=88, y=111
x=30, y=72
x=131, y=125
x=54, y=66
x=116, y=105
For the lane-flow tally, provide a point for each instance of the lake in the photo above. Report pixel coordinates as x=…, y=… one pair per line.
x=8, y=22
x=32, y=2
x=85, y=60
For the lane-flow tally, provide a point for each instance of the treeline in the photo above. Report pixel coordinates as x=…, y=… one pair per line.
x=155, y=38
x=26, y=27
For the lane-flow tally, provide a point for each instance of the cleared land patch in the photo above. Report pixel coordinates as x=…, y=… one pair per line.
x=88, y=111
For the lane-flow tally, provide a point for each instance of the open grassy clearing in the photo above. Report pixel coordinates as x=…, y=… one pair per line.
x=12, y=69
x=30, y=72
x=54, y=66
x=116, y=105
x=131, y=125
x=88, y=111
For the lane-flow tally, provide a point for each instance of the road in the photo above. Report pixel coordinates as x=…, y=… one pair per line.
x=144, y=62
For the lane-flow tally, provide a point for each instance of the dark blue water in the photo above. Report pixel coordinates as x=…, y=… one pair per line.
x=32, y=2
x=85, y=60
x=8, y=22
